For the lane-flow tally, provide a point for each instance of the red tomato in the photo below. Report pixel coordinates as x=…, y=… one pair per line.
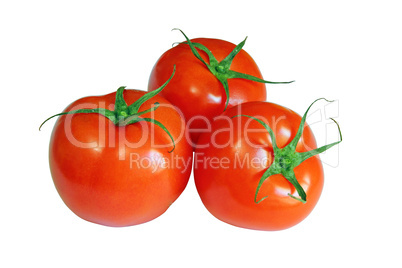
x=232, y=160
x=119, y=175
x=196, y=91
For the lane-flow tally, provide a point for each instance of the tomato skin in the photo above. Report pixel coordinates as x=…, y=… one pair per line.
x=102, y=184
x=228, y=191
x=196, y=91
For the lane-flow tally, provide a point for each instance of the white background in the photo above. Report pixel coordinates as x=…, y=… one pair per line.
x=53, y=52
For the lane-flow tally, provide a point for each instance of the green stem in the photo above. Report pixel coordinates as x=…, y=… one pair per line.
x=107, y=113
x=133, y=108
x=221, y=70
x=124, y=115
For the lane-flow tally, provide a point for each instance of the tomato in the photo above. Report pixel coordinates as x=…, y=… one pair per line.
x=202, y=85
x=257, y=168
x=124, y=174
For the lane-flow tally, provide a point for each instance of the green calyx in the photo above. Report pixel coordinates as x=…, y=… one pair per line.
x=124, y=115
x=221, y=70
x=286, y=159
